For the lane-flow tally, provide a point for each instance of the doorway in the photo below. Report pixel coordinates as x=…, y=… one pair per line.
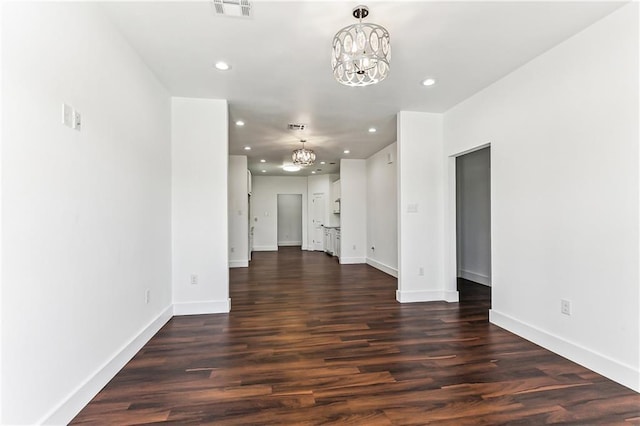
x=289, y=220
x=473, y=223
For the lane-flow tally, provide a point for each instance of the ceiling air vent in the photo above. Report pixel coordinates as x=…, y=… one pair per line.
x=296, y=126
x=235, y=8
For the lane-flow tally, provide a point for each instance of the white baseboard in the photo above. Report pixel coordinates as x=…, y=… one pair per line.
x=352, y=260
x=426, y=296
x=239, y=263
x=384, y=268
x=80, y=397
x=265, y=248
x=289, y=243
x=621, y=373
x=199, y=308
x=476, y=278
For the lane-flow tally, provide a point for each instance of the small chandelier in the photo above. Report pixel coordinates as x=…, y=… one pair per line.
x=361, y=52
x=303, y=156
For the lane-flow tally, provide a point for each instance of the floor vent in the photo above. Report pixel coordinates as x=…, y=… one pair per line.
x=234, y=8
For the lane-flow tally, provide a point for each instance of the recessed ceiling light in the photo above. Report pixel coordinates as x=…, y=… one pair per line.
x=264, y=171
x=263, y=161
x=239, y=123
x=313, y=172
x=346, y=151
x=247, y=148
x=428, y=82
x=290, y=168
x=323, y=162
x=372, y=130
x=222, y=66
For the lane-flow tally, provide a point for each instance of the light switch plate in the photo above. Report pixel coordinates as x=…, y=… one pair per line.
x=77, y=121
x=67, y=115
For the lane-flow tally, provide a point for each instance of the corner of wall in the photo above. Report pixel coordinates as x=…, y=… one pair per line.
x=382, y=267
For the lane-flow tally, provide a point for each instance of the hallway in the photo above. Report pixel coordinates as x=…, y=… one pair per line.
x=311, y=342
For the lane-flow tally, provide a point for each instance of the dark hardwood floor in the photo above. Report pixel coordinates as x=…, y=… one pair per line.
x=311, y=342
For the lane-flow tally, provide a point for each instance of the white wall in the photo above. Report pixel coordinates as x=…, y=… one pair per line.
x=289, y=219
x=1, y=221
x=264, y=208
x=353, y=211
x=199, y=205
x=473, y=216
x=238, y=212
x=421, y=253
x=86, y=214
x=564, y=147
x=382, y=210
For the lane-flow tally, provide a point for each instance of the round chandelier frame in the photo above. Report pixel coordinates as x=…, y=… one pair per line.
x=361, y=52
x=303, y=156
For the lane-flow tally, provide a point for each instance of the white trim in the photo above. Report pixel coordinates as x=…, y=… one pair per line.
x=289, y=243
x=265, y=248
x=426, y=296
x=476, y=278
x=64, y=412
x=198, y=308
x=621, y=373
x=384, y=268
x=239, y=263
x=352, y=260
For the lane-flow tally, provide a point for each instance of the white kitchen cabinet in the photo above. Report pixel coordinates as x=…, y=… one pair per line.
x=332, y=240
x=328, y=241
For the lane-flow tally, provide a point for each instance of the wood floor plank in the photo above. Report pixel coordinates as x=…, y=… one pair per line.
x=312, y=342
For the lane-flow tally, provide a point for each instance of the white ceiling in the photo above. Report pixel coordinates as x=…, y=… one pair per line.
x=281, y=69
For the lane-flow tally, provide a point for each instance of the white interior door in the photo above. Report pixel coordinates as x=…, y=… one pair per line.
x=318, y=221
x=289, y=220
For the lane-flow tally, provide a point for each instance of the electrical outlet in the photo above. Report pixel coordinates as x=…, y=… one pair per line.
x=194, y=279
x=565, y=307
x=147, y=296
x=354, y=246
x=233, y=249
x=421, y=271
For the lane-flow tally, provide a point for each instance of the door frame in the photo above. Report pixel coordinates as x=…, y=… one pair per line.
x=451, y=240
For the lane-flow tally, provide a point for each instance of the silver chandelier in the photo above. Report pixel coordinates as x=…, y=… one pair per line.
x=361, y=52
x=303, y=156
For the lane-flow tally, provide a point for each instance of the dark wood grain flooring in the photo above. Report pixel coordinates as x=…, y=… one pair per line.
x=311, y=342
